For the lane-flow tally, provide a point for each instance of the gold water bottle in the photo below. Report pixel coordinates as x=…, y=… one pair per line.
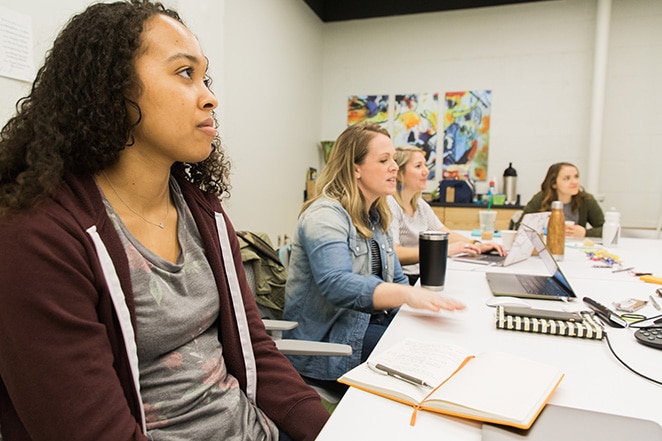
x=556, y=231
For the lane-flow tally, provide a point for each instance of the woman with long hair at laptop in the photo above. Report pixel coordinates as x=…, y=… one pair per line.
x=562, y=184
x=411, y=215
x=344, y=281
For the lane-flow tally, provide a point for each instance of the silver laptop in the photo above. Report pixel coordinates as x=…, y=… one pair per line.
x=521, y=249
x=555, y=286
x=559, y=423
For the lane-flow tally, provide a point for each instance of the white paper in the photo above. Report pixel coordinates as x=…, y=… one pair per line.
x=430, y=361
x=16, y=48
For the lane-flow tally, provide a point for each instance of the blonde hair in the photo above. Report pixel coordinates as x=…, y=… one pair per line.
x=337, y=181
x=402, y=157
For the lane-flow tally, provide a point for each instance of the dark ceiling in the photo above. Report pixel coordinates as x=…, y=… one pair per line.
x=340, y=10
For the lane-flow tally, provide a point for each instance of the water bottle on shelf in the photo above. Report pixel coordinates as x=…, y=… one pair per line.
x=492, y=190
x=489, y=196
x=611, y=230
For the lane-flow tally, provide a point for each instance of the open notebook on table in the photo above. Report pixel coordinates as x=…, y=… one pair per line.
x=492, y=386
x=555, y=286
x=522, y=245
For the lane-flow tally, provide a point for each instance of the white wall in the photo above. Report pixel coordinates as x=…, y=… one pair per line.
x=537, y=59
x=631, y=176
x=283, y=78
x=271, y=109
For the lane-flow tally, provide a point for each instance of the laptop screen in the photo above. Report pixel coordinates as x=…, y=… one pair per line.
x=547, y=258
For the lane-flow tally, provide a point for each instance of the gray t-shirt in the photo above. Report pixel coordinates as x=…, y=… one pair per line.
x=569, y=214
x=186, y=389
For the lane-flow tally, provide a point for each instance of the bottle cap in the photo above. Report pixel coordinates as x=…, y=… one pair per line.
x=557, y=205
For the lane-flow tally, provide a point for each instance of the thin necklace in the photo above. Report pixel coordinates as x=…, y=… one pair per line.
x=161, y=224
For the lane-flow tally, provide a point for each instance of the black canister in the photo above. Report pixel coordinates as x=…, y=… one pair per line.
x=432, y=252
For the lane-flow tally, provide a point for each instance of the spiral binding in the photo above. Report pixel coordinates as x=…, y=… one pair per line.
x=588, y=328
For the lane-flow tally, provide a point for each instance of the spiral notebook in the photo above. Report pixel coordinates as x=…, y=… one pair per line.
x=587, y=328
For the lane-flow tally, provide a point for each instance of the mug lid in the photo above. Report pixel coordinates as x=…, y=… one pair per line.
x=433, y=235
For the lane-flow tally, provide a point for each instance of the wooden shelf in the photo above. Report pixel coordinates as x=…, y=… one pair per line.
x=465, y=217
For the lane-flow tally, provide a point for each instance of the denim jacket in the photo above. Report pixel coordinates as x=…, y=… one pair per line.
x=330, y=285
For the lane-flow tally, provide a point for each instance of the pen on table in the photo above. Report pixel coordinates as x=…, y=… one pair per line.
x=605, y=313
x=623, y=270
x=400, y=375
x=654, y=302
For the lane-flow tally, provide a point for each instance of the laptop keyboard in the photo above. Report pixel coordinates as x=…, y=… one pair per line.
x=492, y=257
x=540, y=285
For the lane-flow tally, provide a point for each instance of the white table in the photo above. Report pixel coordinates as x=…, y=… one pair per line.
x=594, y=379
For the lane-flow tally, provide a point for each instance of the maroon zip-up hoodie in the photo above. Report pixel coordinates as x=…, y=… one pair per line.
x=64, y=370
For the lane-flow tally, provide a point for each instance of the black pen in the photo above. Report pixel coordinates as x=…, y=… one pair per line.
x=605, y=313
x=385, y=370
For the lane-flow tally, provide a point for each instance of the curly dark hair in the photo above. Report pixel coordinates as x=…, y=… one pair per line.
x=75, y=118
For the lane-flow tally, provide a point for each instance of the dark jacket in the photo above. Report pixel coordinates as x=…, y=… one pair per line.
x=65, y=370
x=589, y=213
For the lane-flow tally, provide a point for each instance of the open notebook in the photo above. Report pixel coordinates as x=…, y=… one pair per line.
x=521, y=249
x=555, y=286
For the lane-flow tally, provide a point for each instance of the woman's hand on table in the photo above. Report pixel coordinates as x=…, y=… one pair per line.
x=475, y=248
x=421, y=298
x=463, y=248
x=575, y=230
x=486, y=247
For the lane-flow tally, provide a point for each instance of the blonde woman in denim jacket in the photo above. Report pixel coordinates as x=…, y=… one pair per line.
x=345, y=282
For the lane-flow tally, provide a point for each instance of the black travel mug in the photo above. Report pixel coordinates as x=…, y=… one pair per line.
x=432, y=252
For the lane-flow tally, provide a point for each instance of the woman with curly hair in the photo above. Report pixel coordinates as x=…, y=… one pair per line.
x=562, y=184
x=344, y=281
x=125, y=312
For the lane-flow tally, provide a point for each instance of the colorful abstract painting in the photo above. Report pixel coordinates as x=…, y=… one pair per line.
x=466, y=134
x=373, y=108
x=415, y=123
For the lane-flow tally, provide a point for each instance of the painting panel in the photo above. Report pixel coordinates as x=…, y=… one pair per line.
x=466, y=134
x=415, y=119
x=372, y=108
